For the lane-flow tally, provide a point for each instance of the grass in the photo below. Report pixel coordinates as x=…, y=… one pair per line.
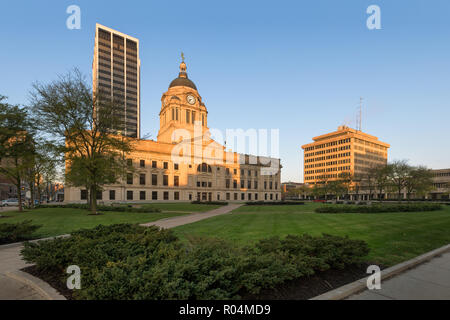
x=182, y=207
x=392, y=237
x=57, y=221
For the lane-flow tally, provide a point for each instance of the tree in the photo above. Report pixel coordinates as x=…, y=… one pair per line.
x=381, y=177
x=398, y=175
x=83, y=125
x=419, y=180
x=16, y=144
x=368, y=180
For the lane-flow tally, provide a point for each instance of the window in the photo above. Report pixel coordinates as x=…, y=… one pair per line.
x=242, y=172
x=256, y=184
x=227, y=183
x=249, y=173
x=242, y=184
x=242, y=196
x=176, y=181
x=271, y=196
x=198, y=183
x=270, y=185
x=142, y=163
x=209, y=184
x=193, y=119
x=249, y=184
x=166, y=165
x=176, y=195
x=188, y=115
x=84, y=194
x=154, y=195
x=235, y=171
x=234, y=184
x=154, y=179
x=227, y=170
x=276, y=185
x=265, y=196
x=129, y=195
x=235, y=196
x=112, y=194
x=265, y=185
x=142, y=195
x=154, y=164
x=165, y=180
x=276, y=196
x=256, y=196
x=129, y=178
x=175, y=166
x=166, y=195
x=249, y=196
x=190, y=196
x=218, y=197
x=142, y=179
x=228, y=196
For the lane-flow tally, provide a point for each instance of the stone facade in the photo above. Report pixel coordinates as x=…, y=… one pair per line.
x=185, y=164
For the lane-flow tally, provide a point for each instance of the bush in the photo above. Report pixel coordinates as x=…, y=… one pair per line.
x=103, y=208
x=273, y=203
x=133, y=262
x=220, y=203
x=16, y=232
x=378, y=208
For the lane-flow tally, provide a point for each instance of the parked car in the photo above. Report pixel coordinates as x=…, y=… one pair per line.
x=10, y=203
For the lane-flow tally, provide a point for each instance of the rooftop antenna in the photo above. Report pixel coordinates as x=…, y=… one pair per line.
x=359, y=116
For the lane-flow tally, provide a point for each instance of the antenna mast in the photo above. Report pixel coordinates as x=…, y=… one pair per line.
x=359, y=117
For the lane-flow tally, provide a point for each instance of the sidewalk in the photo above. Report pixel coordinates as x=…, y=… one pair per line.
x=427, y=281
x=191, y=218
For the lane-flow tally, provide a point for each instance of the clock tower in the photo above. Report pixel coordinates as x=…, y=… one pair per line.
x=181, y=108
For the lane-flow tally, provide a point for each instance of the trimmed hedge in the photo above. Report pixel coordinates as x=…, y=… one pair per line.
x=220, y=203
x=102, y=208
x=16, y=232
x=132, y=262
x=378, y=208
x=273, y=203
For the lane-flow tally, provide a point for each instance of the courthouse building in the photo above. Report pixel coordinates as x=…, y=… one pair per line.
x=184, y=163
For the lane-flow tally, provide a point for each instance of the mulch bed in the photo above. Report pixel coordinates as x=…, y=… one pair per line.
x=310, y=287
x=299, y=289
x=51, y=279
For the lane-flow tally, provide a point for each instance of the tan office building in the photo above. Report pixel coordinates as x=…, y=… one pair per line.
x=116, y=74
x=345, y=151
x=185, y=164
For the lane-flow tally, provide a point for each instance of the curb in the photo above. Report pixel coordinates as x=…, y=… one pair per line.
x=361, y=284
x=42, y=287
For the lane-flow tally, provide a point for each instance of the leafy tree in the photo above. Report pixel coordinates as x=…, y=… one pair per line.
x=83, y=127
x=398, y=175
x=419, y=180
x=16, y=144
x=381, y=177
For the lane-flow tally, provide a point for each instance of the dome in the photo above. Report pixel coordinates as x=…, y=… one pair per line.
x=182, y=80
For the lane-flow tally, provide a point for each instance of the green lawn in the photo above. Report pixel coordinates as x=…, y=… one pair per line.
x=56, y=221
x=182, y=207
x=392, y=237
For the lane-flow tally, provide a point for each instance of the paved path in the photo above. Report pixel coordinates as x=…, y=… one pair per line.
x=10, y=287
x=428, y=281
x=191, y=218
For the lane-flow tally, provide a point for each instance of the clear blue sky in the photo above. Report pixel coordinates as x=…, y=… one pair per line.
x=299, y=66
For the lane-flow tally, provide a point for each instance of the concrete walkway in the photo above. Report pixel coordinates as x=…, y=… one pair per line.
x=428, y=281
x=11, y=287
x=191, y=218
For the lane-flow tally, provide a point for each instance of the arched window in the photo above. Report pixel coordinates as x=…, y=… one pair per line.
x=204, y=168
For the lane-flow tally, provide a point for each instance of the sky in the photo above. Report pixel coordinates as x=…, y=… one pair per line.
x=297, y=66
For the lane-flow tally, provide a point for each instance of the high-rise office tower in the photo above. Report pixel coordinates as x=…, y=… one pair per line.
x=116, y=73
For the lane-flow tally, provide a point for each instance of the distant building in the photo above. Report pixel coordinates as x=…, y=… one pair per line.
x=345, y=151
x=116, y=73
x=288, y=190
x=441, y=184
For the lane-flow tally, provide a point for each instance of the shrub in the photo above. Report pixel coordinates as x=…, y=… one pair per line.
x=100, y=208
x=133, y=262
x=273, y=203
x=220, y=203
x=378, y=208
x=15, y=232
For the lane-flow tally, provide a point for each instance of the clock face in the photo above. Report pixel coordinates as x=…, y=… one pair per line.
x=190, y=99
